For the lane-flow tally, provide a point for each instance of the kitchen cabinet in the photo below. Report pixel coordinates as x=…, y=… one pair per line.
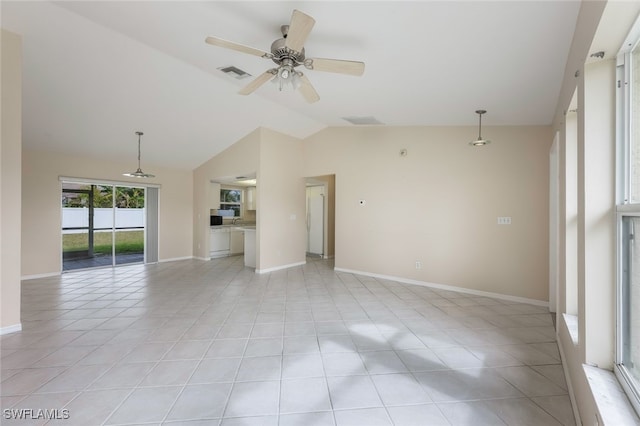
x=214, y=195
x=236, y=242
x=219, y=242
x=250, y=198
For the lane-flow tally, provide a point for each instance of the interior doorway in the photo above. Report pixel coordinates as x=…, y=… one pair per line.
x=320, y=219
x=105, y=225
x=315, y=220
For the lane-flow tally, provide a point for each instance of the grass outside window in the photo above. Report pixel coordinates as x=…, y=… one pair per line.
x=126, y=242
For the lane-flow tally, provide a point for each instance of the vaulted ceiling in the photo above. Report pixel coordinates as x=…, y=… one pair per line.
x=95, y=72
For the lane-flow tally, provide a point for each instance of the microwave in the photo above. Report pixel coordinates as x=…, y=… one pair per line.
x=215, y=220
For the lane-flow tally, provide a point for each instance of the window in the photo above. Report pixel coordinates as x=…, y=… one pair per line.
x=231, y=199
x=628, y=212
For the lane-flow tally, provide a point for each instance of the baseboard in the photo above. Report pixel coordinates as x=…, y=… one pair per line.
x=175, y=259
x=201, y=258
x=11, y=329
x=36, y=276
x=278, y=268
x=329, y=257
x=449, y=288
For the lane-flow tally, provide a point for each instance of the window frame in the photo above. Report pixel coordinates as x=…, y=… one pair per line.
x=624, y=208
x=239, y=204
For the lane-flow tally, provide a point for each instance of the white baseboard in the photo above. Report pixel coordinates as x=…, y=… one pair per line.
x=36, y=276
x=201, y=258
x=11, y=329
x=175, y=259
x=449, y=287
x=278, y=268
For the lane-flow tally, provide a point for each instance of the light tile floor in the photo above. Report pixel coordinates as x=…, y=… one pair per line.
x=212, y=343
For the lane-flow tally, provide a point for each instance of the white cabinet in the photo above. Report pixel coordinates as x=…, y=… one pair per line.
x=219, y=242
x=236, y=242
x=214, y=195
x=250, y=198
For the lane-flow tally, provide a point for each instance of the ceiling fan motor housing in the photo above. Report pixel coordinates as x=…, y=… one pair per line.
x=281, y=52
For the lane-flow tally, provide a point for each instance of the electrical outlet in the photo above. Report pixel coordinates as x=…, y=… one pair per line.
x=504, y=220
x=418, y=264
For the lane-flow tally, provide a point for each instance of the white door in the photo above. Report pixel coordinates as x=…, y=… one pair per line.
x=315, y=220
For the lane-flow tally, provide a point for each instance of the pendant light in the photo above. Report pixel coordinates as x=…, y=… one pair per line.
x=480, y=141
x=139, y=173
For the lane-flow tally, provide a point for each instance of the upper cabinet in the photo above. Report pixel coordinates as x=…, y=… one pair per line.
x=250, y=198
x=214, y=195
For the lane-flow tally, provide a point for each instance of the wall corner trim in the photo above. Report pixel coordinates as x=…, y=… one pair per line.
x=517, y=299
x=11, y=329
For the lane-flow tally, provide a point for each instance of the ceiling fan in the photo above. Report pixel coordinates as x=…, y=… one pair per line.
x=288, y=54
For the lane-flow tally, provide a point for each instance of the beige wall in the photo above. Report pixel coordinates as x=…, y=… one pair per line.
x=281, y=223
x=439, y=204
x=10, y=181
x=41, y=213
x=239, y=159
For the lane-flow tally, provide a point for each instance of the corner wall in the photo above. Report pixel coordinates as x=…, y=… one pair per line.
x=439, y=204
x=10, y=181
x=41, y=212
x=239, y=159
x=281, y=202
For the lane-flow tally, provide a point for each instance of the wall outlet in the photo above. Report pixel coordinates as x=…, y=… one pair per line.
x=418, y=264
x=293, y=216
x=504, y=220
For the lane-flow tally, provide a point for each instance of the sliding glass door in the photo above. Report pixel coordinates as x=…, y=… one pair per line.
x=105, y=225
x=129, y=221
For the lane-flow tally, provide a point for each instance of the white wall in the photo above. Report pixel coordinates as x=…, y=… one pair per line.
x=41, y=208
x=439, y=204
x=10, y=181
x=591, y=297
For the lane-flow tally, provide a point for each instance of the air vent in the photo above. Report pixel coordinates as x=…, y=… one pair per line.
x=234, y=72
x=362, y=121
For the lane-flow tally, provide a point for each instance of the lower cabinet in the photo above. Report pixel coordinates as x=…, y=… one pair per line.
x=225, y=242
x=219, y=243
x=236, y=242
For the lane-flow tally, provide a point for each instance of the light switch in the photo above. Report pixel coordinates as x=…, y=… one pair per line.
x=504, y=220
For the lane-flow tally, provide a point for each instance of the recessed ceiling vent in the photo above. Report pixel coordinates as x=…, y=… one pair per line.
x=234, y=72
x=363, y=121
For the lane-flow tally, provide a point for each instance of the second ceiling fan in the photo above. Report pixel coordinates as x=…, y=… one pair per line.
x=288, y=54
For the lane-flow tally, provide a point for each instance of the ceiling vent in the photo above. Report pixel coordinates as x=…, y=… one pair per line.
x=362, y=121
x=234, y=72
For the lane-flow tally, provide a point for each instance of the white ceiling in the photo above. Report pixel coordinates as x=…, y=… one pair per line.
x=94, y=72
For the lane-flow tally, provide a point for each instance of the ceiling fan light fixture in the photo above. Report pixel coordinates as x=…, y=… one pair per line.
x=139, y=173
x=480, y=141
x=287, y=79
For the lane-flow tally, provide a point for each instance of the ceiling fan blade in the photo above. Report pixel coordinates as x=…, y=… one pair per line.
x=307, y=90
x=257, y=82
x=335, y=65
x=299, y=29
x=236, y=46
